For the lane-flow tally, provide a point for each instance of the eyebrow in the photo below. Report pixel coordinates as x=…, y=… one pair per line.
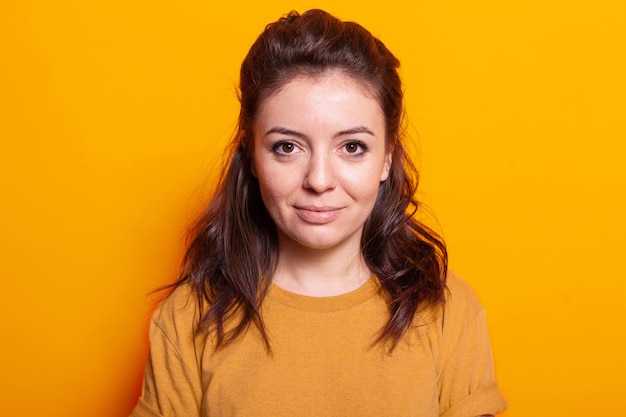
x=289, y=132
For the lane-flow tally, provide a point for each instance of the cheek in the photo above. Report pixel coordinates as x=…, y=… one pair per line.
x=363, y=189
x=364, y=180
x=274, y=188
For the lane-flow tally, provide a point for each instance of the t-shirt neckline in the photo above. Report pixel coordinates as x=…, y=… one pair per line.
x=325, y=304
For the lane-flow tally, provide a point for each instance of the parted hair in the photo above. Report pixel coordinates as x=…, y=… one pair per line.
x=233, y=247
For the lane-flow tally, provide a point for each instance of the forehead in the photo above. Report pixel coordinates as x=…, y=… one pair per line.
x=335, y=76
x=329, y=95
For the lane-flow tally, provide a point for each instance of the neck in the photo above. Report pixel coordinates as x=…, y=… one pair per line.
x=318, y=272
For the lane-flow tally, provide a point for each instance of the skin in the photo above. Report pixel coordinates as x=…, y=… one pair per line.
x=320, y=155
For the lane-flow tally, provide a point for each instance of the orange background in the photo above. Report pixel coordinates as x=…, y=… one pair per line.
x=113, y=115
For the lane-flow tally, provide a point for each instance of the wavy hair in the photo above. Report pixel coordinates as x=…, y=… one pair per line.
x=232, y=251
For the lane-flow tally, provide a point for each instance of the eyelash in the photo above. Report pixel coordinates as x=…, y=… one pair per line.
x=359, y=144
x=278, y=148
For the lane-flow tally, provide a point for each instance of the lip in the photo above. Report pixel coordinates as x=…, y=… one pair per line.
x=318, y=215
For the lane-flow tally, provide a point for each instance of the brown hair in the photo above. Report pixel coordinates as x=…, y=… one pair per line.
x=233, y=248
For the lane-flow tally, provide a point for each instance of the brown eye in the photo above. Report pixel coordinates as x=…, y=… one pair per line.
x=352, y=147
x=355, y=148
x=287, y=147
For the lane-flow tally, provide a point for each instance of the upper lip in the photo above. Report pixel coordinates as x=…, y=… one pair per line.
x=318, y=208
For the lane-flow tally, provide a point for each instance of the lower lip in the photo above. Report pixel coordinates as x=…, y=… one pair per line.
x=318, y=217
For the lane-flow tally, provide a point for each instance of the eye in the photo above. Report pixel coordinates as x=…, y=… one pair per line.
x=284, y=147
x=355, y=148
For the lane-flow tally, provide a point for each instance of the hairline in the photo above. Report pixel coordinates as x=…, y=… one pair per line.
x=317, y=74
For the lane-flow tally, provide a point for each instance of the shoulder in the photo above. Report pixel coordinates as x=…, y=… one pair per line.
x=459, y=311
x=460, y=297
x=178, y=311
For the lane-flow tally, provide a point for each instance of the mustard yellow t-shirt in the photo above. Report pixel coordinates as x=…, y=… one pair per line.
x=323, y=361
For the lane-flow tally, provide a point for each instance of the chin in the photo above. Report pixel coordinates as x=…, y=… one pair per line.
x=326, y=241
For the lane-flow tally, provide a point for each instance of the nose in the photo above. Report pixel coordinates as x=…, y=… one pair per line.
x=319, y=176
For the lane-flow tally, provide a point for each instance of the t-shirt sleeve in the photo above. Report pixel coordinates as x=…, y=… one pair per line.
x=172, y=383
x=467, y=384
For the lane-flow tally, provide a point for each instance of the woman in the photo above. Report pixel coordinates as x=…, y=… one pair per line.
x=309, y=288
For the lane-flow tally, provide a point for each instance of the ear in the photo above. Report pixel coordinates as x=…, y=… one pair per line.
x=253, y=168
x=386, y=167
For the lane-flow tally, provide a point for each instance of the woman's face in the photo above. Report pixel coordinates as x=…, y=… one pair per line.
x=320, y=156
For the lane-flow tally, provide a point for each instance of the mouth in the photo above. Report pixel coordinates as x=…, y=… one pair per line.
x=318, y=215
